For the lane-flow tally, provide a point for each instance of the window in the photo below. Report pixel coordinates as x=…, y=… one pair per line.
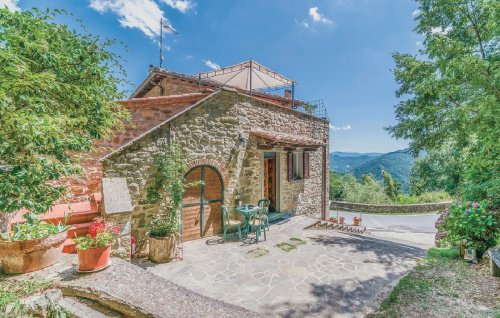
x=298, y=166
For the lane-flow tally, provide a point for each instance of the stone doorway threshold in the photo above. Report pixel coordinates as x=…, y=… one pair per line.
x=133, y=291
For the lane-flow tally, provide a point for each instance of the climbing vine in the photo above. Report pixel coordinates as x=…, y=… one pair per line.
x=168, y=189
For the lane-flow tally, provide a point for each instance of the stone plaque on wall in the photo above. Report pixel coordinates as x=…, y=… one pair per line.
x=118, y=209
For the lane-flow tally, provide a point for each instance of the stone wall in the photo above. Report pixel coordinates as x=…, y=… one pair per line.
x=389, y=208
x=218, y=130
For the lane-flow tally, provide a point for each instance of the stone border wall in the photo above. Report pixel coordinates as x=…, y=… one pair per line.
x=389, y=208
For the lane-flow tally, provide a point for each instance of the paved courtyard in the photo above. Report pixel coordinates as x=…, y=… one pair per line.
x=327, y=274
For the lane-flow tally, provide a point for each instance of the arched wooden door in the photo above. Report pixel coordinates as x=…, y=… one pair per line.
x=201, y=206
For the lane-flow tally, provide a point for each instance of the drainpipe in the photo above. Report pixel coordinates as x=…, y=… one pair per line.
x=324, y=200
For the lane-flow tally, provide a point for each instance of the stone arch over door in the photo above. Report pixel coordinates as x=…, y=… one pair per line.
x=201, y=205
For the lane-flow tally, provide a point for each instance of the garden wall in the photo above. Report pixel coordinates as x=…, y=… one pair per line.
x=389, y=208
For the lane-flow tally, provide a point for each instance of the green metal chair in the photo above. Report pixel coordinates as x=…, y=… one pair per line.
x=264, y=211
x=227, y=222
x=258, y=226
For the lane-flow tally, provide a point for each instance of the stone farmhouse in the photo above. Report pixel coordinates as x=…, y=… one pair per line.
x=243, y=143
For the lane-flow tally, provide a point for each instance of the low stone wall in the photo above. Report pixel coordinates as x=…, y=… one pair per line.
x=389, y=208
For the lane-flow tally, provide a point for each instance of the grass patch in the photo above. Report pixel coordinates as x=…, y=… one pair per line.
x=437, y=252
x=297, y=241
x=258, y=252
x=284, y=246
x=442, y=285
x=11, y=291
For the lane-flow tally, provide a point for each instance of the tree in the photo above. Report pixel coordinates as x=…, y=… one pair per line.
x=450, y=93
x=391, y=187
x=368, y=179
x=57, y=95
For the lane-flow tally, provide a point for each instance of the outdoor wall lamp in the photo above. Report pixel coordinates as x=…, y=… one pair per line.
x=242, y=139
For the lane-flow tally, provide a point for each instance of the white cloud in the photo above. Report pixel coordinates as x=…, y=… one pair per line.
x=188, y=57
x=10, y=4
x=416, y=13
x=212, y=65
x=440, y=30
x=305, y=24
x=346, y=127
x=181, y=5
x=318, y=17
x=144, y=15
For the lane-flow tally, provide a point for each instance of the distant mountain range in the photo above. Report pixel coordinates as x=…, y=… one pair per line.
x=398, y=163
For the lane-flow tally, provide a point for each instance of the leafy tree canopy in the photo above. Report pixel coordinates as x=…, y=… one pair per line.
x=450, y=92
x=57, y=94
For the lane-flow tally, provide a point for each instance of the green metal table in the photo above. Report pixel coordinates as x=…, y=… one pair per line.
x=247, y=210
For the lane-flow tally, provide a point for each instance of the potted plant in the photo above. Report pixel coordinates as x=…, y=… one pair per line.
x=163, y=238
x=356, y=221
x=333, y=219
x=94, y=249
x=341, y=220
x=31, y=245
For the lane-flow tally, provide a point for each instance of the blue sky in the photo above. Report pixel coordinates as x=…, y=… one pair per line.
x=336, y=50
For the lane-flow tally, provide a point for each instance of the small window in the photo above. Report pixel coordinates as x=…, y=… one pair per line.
x=298, y=166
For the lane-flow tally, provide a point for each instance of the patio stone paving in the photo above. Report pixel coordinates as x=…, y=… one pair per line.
x=330, y=275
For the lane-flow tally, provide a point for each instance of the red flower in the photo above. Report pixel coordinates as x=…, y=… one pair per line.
x=116, y=229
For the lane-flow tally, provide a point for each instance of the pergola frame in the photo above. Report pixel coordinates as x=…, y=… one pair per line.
x=254, y=69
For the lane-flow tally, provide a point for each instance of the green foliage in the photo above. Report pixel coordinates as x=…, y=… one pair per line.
x=168, y=189
x=391, y=187
x=438, y=170
x=368, y=179
x=443, y=252
x=33, y=228
x=101, y=233
x=470, y=224
x=426, y=197
x=451, y=96
x=12, y=291
x=345, y=187
x=57, y=94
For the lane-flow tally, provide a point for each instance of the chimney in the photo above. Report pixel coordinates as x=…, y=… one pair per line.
x=288, y=93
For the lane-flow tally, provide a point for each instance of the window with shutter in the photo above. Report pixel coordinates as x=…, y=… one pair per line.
x=306, y=165
x=290, y=166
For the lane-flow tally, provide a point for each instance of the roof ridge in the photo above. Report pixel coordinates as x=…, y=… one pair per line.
x=166, y=96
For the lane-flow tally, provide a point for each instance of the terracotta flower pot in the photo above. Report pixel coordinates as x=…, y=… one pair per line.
x=162, y=249
x=94, y=258
x=357, y=222
x=341, y=220
x=31, y=255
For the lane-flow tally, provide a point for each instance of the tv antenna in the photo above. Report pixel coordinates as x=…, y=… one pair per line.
x=170, y=29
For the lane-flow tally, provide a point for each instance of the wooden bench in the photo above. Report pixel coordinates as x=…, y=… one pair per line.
x=494, y=255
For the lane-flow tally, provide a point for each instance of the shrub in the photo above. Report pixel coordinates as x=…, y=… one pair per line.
x=426, y=197
x=32, y=229
x=470, y=224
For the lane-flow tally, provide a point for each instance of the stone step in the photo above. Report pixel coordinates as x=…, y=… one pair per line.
x=344, y=228
x=128, y=289
x=69, y=246
x=85, y=308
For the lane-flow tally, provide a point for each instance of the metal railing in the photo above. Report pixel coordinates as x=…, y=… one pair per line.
x=314, y=108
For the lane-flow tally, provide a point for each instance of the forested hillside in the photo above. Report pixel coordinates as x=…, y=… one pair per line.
x=398, y=163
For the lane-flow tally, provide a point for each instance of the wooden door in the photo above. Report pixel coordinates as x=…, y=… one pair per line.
x=201, y=209
x=270, y=182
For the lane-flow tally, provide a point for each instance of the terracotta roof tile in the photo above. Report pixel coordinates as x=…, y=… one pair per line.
x=284, y=138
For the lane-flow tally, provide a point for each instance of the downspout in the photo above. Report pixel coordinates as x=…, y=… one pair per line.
x=324, y=194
